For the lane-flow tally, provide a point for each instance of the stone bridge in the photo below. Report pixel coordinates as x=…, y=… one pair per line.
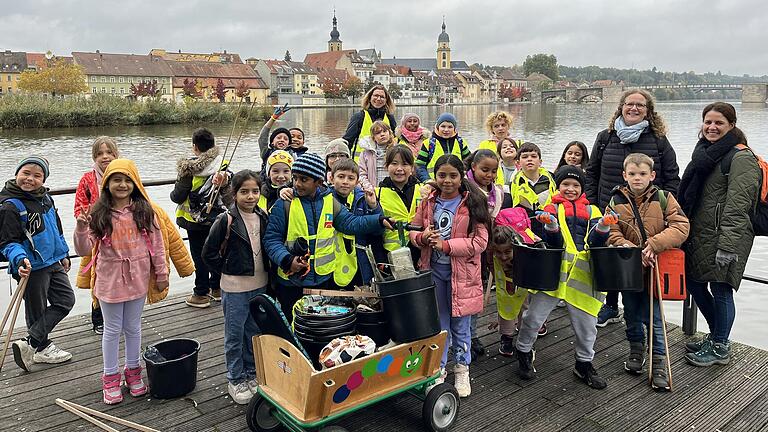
x=750, y=92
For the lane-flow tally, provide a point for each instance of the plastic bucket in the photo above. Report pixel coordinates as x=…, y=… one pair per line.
x=536, y=268
x=410, y=306
x=319, y=317
x=617, y=268
x=374, y=325
x=177, y=375
x=314, y=329
x=311, y=321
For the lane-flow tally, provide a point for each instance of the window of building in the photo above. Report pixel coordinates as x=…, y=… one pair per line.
x=103, y=79
x=94, y=79
x=122, y=79
x=443, y=63
x=122, y=90
x=93, y=90
x=444, y=57
x=103, y=89
x=114, y=90
x=9, y=78
x=111, y=79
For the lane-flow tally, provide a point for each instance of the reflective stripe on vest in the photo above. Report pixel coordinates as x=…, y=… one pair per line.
x=575, y=274
x=393, y=207
x=323, y=256
x=456, y=146
x=509, y=300
x=346, y=261
x=521, y=188
x=365, y=131
x=182, y=211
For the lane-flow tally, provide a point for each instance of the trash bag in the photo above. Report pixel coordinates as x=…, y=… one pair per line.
x=345, y=349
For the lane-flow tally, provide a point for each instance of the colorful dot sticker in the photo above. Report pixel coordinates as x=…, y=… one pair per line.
x=341, y=394
x=355, y=380
x=369, y=369
x=394, y=368
x=384, y=363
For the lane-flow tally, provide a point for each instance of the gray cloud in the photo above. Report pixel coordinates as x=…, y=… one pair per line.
x=676, y=35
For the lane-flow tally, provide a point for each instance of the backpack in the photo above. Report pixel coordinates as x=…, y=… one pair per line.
x=433, y=142
x=24, y=216
x=759, y=216
x=199, y=199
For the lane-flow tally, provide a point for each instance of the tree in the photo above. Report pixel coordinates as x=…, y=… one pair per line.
x=145, y=89
x=395, y=91
x=511, y=93
x=242, y=90
x=287, y=56
x=331, y=89
x=352, y=87
x=369, y=83
x=190, y=88
x=220, y=91
x=60, y=78
x=542, y=63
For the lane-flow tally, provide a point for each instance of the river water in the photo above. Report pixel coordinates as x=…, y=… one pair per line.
x=156, y=148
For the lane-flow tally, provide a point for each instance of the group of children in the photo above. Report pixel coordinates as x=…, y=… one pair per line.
x=296, y=224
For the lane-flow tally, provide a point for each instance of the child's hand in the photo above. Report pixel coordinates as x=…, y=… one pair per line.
x=25, y=268
x=220, y=178
x=426, y=189
x=161, y=285
x=545, y=217
x=610, y=218
x=298, y=265
x=66, y=263
x=84, y=219
x=649, y=257
x=280, y=110
x=370, y=196
x=436, y=242
x=286, y=194
x=426, y=235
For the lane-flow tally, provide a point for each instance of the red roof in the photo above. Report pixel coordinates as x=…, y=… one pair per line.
x=336, y=76
x=209, y=72
x=324, y=60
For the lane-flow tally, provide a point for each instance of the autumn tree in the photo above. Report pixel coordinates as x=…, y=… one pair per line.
x=190, y=88
x=60, y=78
x=352, y=87
x=395, y=91
x=242, y=90
x=510, y=93
x=220, y=91
x=542, y=63
x=331, y=89
x=145, y=89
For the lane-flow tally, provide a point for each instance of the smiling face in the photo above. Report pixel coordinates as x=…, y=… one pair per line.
x=508, y=152
x=248, y=196
x=448, y=179
x=484, y=171
x=297, y=138
x=638, y=176
x=715, y=126
x=378, y=98
x=570, y=189
x=280, y=141
x=344, y=182
x=446, y=130
x=634, y=109
x=120, y=186
x=399, y=171
x=573, y=155
x=412, y=124
x=500, y=129
x=279, y=174
x=504, y=253
x=30, y=177
x=104, y=156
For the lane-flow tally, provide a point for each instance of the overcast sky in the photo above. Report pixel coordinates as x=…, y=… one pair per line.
x=672, y=35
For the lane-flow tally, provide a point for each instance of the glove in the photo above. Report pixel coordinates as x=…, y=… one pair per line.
x=549, y=220
x=610, y=218
x=724, y=259
x=280, y=110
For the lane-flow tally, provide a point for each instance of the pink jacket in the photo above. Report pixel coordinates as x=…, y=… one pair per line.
x=367, y=163
x=125, y=259
x=465, y=251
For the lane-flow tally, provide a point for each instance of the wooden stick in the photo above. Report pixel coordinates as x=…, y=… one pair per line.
x=663, y=324
x=209, y=206
x=64, y=404
x=10, y=308
x=20, y=291
x=96, y=413
x=487, y=293
x=339, y=293
x=650, y=331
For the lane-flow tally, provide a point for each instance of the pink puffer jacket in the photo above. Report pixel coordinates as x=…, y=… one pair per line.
x=465, y=251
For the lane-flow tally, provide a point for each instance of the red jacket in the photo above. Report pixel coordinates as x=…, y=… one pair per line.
x=87, y=192
x=465, y=251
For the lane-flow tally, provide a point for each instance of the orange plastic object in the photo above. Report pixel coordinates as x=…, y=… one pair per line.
x=672, y=270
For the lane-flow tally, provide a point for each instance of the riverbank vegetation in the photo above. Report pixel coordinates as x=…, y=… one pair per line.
x=37, y=111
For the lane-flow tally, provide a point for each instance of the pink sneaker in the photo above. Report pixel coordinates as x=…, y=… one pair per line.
x=134, y=382
x=111, y=389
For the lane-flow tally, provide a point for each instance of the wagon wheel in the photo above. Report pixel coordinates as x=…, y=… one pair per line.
x=259, y=416
x=333, y=428
x=441, y=407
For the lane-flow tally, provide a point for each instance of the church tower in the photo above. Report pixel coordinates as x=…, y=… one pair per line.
x=443, y=50
x=335, y=43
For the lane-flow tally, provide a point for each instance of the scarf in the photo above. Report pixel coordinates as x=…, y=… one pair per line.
x=704, y=159
x=629, y=134
x=412, y=137
x=490, y=190
x=13, y=189
x=580, y=205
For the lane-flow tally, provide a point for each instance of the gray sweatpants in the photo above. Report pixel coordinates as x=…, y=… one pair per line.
x=47, y=300
x=539, y=308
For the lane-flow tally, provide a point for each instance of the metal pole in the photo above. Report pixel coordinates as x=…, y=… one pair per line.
x=690, y=315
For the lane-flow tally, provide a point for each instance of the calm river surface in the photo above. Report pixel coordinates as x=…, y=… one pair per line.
x=156, y=149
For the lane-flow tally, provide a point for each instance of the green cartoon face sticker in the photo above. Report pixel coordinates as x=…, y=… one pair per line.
x=411, y=363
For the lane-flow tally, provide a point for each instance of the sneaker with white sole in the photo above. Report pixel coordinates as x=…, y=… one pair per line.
x=110, y=389
x=461, y=373
x=52, y=355
x=253, y=386
x=240, y=393
x=215, y=294
x=609, y=315
x=23, y=354
x=439, y=380
x=134, y=382
x=198, y=301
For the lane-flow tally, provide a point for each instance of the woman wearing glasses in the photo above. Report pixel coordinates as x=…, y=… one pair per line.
x=634, y=128
x=377, y=104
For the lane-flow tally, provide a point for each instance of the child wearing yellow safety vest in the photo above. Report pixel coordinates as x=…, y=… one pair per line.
x=568, y=223
x=301, y=236
x=445, y=140
x=507, y=151
x=532, y=187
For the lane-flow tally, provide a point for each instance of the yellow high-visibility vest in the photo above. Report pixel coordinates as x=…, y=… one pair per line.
x=520, y=189
x=322, y=258
x=346, y=261
x=508, y=303
x=456, y=144
x=393, y=207
x=365, y=131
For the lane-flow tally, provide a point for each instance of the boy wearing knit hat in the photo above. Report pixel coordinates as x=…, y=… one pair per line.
x=567, y=221
x=445, y=140
x=335, y=150
x=277, y=176
x=301, y=236
x=32, y=242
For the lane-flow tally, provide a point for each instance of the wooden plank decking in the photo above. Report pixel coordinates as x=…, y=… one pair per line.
x=730, y=398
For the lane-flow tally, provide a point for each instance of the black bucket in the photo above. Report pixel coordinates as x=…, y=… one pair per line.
x=311, y=320
x=617, y=268
x=323, y=317
x=374, y=325
x=314, y=329
x=177, y=375
x=410, y=306
x=536, y=268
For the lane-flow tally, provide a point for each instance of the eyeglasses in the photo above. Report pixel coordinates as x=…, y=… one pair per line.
x=635, y=105
x=337, y=156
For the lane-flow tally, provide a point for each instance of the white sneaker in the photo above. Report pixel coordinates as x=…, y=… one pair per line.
x=23, y=354
x=52, y=354
x=253, y=386
x=240, y=393
x=461, y=372
x=439, y=380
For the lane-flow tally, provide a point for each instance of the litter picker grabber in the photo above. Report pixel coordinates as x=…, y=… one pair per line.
x=656, y=286
x=16, y=300
x=88, y=414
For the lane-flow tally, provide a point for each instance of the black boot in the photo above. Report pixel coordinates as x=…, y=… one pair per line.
x=587, y=373
x=525, y=367
x=478, y=349
x=97, y=319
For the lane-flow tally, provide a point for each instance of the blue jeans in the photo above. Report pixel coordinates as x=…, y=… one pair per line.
x=457, y=327
x=636, y=316
x=717, y=307
x=239, y=329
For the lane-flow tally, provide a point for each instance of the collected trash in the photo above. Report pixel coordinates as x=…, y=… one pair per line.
x=152, y=354
x=345, y=349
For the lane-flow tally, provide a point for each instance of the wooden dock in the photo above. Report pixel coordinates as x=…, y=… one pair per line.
x=719, y=398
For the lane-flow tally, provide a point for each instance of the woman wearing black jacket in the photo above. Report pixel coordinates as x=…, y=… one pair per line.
x=377, y=104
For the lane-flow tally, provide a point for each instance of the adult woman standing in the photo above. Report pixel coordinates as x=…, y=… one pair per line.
x=718, y=193
x=634, y=128
x=377, y=105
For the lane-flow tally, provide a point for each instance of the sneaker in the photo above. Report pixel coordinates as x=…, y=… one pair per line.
x=52, y=355
x=587, y=373
x=710, y=354
x=439, y=380
x=110, y=388
x=240, y=393
x=477, y=349
x=98, y=329
x=696, y=346
x=636, y=359
x=198, y=301
x=608, y=315
x=507, y=346
x=253, y=386
x=461, y=373
x=134, y=382
x=23, y=354
x=543, y=330
x=525, y=367
x=215, y=294
x=659, y=378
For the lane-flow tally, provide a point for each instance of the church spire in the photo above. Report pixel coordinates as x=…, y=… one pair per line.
x=335, y=43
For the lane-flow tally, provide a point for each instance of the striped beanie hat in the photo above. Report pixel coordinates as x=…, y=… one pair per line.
x=35, y=160
x=310, y=165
